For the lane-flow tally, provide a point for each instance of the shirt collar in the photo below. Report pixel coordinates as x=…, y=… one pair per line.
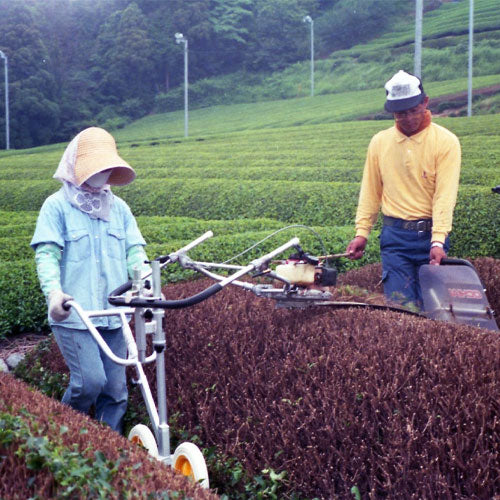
x=417, y=136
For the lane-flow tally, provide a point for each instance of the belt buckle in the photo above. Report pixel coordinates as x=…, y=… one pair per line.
x=421, y=226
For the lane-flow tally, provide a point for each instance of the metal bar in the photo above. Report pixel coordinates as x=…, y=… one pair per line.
x=97, y=336
x=471, y=36
x=419, y=10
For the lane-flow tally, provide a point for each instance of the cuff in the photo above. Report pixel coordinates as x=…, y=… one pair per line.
x=363, y=232
x=440, y=237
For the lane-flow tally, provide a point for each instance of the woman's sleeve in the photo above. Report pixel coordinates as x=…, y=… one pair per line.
x=47, y=258
x=136, y=259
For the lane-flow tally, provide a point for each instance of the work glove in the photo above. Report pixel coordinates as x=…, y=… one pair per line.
x=57, y=298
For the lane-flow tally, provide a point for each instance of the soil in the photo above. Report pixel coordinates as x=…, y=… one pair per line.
x=457, y=98
x=22, y=343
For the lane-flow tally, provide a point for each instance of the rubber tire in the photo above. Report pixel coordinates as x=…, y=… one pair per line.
x=189, y=461
x=140, y=434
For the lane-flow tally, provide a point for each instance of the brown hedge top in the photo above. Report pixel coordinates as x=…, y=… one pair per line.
x=148, y=475
x=400, y=406
x=396, y=405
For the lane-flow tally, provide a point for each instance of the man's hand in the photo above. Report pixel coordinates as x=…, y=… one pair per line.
x=356, y=248
x=436, y=255
x=57, y=298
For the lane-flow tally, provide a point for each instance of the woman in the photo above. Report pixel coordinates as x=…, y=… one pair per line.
x=86, y=244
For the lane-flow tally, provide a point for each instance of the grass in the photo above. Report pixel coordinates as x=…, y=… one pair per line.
x=318, y=110
x=366, y=66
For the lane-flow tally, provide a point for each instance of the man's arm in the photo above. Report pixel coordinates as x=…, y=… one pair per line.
x=445, y=194
x=370, y=196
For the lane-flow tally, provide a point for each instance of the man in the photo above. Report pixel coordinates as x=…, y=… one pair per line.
x=411, y=172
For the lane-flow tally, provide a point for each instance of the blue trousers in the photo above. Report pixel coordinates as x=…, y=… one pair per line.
x=403, y=252
x=94, y=378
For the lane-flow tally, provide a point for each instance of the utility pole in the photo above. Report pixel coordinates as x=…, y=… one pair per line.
x=419, y=14
x=7, y=126
x=471, y=36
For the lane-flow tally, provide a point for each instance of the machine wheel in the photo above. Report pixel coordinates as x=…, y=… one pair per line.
x=189, y=461
x=140, y=434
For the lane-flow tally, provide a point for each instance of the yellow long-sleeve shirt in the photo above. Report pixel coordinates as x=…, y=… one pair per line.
x=410, y=178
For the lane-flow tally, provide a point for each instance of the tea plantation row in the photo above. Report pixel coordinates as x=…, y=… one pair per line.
x=243, y=186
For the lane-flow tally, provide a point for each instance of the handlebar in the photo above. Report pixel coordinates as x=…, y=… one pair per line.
x=448, y=261
x=117, y=298
x=165, y=259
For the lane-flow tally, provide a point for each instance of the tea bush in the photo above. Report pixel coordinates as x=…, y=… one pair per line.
x=334, y=401
x=51, y=451
x=243, y=185
x=395, y=405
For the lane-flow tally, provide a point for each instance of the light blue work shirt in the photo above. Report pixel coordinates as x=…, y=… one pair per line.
x=94, y=253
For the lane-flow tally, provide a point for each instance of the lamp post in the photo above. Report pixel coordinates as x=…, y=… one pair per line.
x=6, y=64
x=308, y=19
x=180, y=38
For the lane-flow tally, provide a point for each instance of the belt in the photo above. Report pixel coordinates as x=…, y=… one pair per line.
x=422, y=225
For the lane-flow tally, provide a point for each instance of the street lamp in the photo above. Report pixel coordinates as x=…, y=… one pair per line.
x=308, y=19
x=180, y=38
x=4, y=57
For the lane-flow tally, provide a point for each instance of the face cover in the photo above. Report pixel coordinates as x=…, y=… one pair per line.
x=98, y=180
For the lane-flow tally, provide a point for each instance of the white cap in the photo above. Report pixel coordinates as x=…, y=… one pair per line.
x=403, y=91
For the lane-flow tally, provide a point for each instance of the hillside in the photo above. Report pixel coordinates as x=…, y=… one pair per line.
x=368, y=65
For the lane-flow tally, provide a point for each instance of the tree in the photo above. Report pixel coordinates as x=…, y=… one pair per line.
x=33, y=106
x=349, y=22
x=276, y=23
x=231, y=20
x=123, y=58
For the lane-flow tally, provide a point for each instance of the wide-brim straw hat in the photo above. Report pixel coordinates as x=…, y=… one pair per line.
x=96, y=151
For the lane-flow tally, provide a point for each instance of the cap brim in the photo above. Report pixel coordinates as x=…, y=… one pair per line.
x=397, y=105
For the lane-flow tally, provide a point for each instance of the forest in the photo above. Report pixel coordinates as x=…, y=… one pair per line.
x=74, y=63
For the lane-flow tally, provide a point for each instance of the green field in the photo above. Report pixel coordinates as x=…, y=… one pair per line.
x=243, y=179
x=248, y=170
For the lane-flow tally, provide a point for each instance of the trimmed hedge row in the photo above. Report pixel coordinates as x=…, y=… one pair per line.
x=49, y=451
x=342, y=403
x=477, y=214
x=23, y=306
x=397, y=406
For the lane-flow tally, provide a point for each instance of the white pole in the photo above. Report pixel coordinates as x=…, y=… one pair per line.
x=7, y=125
x=185, y=87
x=308, y=19
x=419, y=12
x=471, y=35
x=180, y=38
x=312, y=58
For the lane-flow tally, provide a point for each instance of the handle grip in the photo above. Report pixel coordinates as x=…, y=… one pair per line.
x=448, y=261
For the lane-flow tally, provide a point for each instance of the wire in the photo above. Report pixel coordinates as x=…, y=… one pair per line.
x=274, y=233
